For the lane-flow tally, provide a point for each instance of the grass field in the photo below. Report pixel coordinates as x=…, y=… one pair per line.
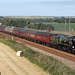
x=61, y=26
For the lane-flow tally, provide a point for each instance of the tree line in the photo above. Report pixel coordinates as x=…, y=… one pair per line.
x=22, y=23
x=35, y=23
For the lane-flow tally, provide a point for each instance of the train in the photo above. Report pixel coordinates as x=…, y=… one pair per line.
x=59, y=41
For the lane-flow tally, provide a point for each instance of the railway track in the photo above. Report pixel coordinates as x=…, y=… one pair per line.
x=59, y=53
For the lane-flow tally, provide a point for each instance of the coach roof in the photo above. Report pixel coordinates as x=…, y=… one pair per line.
x=33, y=31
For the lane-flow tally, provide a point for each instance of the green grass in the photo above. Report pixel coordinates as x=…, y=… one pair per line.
x=61, y=26
x=47, y=63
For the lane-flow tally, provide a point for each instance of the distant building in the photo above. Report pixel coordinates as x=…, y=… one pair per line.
x=0, y=23
x=1, y=17
x=47, y=31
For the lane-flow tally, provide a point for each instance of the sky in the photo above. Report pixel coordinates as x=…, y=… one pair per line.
x=37, y=7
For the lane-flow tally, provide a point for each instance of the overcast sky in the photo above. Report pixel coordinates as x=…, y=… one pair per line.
x=37, y=7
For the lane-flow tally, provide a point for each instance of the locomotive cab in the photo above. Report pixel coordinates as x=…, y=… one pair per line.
x=73, y=43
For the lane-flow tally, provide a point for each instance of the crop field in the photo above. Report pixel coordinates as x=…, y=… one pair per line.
x=61, y=26
x=29, y=17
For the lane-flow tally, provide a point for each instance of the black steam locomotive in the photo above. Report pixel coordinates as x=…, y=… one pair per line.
x=63, y=42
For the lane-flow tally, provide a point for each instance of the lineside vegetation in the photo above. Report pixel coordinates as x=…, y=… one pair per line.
x=47, y=63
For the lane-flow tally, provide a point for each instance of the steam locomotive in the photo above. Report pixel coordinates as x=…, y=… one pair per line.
x=59, y=41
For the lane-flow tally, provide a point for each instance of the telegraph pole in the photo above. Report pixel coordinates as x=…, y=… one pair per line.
x=27, y=24
x=69, y=25
x=65, y=25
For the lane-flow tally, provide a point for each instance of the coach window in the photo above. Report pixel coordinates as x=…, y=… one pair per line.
x=45, y=38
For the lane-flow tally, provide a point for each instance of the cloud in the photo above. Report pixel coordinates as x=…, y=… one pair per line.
x=70, y=2
x=62, y=2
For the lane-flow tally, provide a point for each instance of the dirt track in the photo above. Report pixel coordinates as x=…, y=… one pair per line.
x=10, y=64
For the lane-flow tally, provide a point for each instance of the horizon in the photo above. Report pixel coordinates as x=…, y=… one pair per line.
x=37, y=8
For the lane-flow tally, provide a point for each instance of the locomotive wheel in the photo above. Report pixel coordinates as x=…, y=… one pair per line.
x=73, y=52
x=64, y=48
x=68, y=49
x=59, y=47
